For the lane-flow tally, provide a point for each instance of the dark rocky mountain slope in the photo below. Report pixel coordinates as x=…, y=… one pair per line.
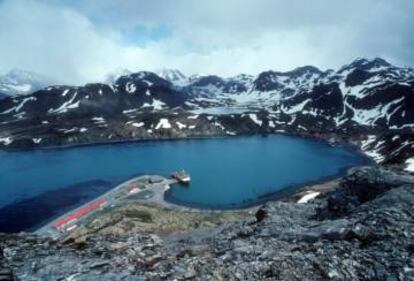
x=361, y=102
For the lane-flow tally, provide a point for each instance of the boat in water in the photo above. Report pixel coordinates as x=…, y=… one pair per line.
x=181, y=176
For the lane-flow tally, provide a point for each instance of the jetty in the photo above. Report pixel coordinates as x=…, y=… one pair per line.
x=146, y=188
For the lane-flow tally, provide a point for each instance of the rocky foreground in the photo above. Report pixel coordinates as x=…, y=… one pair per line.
x=362, y=230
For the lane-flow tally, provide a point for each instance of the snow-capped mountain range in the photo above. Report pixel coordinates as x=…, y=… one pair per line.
x=361, y=98
x=112, y=76
x=173, y=75
x=21, y=82
x=365, y=92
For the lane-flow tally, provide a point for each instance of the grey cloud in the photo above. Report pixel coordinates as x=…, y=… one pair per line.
x=79, y=40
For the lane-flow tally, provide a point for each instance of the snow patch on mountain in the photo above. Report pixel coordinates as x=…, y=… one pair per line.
x=98, y=120
x=296, y=108
x=6, y=140
x=256, y=120
x=156, y=104
x=372, y=151
x=37, y=140
x=181, y=125
x=164, y=123
x=70, y=104
x=138, y=125
x=130, y=88
x=308, y=197
x=410, y=165
x=20, y=105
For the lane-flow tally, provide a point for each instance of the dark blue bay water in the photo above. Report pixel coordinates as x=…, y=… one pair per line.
x=226, y=172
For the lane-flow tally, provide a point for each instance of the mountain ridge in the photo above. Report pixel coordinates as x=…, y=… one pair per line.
x=365, y=97
x=21, y=82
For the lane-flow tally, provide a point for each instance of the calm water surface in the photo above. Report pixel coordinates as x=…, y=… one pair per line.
x=226, y=173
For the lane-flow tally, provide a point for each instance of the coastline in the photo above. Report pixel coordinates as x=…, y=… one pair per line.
x=160, y=198
x=284, y=193
x=114, y=199
x=344, y=144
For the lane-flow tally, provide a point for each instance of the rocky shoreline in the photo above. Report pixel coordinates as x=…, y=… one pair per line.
x=361, y=230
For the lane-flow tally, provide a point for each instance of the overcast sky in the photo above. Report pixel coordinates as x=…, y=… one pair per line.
x=78, y=41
